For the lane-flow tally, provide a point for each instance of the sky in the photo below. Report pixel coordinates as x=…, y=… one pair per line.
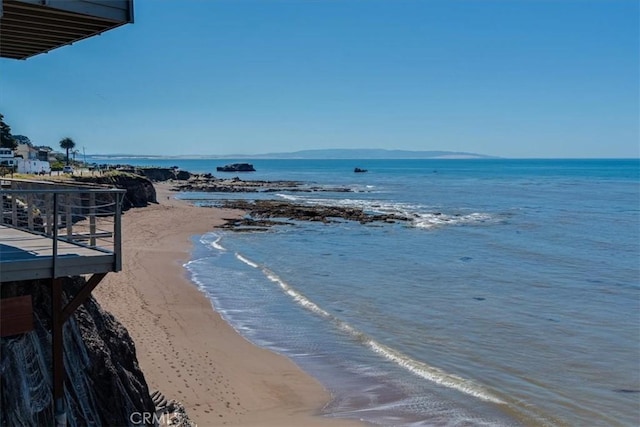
x=508, y=78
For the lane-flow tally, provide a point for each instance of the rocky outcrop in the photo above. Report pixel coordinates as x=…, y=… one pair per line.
x=236, y=167
x=260, y=209
x=210, y=184
x=140, y=191
x=184, y=175
x=234, y=185
x=157, y=174
x=163, y=174
x=104, y=384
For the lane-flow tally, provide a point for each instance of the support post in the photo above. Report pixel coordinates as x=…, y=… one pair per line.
x=57, y=352
x=49, y=213
x=68, y=220
x=14, y=211
x=117, y=238
x=30, y=207
x=81, y=296
x=92, y=219
x=54, y=258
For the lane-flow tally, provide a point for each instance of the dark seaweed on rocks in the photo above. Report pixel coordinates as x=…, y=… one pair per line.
x=210, y=184
x=260, y=209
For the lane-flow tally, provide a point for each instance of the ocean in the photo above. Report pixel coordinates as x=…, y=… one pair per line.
x=511, y=298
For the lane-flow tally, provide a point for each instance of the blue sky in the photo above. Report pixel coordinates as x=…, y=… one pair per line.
x=510, y=78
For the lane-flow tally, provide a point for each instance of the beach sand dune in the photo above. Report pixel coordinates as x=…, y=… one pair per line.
x=184, y=348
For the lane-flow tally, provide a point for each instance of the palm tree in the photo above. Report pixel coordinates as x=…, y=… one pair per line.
x=67, y=144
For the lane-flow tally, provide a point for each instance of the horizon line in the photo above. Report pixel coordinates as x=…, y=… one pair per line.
x=274, y=156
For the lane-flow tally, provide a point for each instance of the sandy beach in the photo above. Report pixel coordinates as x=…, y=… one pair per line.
x=185, y=349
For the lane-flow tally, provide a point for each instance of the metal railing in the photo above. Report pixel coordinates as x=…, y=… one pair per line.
x=81, y=215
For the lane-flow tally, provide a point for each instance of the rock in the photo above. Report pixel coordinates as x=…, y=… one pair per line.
x=157, y=174
x=261, y=209
x=211, y=184
x=184, y=175
x=175, y=415
x=104, y=384
x=140, y=191
x=236, y=167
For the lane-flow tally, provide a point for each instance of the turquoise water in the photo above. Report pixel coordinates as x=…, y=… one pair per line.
x=512, y=298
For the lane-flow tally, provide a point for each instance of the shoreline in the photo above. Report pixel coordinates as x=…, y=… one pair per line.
x=184, y=348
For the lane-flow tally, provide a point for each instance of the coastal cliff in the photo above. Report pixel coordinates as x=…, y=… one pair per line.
x=163, y=174
x=104, y=384
x=140, y=191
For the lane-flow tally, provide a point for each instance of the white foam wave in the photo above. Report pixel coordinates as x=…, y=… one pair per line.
x=431, y=220
x=288, y=197
x=376, y=206
x=420, y=218
x=297, y=297
x=246, y=261
x=216, y=245
x=421, y=369
x=195, y=278
x=433, y=374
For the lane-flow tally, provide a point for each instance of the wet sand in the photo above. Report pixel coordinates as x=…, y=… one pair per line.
x=185, y=349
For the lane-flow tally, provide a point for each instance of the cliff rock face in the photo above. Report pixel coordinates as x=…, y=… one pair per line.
x=158, y=174
x=140, y=191
x=104, y=384
x=163, y=174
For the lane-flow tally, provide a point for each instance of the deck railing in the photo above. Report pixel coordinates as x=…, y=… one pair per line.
x=82, y=215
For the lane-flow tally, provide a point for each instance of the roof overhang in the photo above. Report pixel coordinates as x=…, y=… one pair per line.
x=31, y=27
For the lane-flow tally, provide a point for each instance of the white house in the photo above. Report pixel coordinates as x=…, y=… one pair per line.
x=21, y=165
x=33, y=166
x=6, y=157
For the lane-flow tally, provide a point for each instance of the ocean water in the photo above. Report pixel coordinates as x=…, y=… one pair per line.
x=511, y=298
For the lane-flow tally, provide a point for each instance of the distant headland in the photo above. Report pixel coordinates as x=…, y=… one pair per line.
x=335, y=153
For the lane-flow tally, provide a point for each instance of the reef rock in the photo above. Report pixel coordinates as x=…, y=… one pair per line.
x=236, y=167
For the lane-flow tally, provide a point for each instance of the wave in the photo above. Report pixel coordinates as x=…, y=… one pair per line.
x=247, y=261
x=416, y=367
x=431, y=220
x=419, y=218
x=288, y=197
x=217, y=245
x=433, y=374
x=207, y=240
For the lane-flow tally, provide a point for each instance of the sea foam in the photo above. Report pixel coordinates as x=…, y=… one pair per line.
x=246, y=261
x=217, y=245
x=421, y=217
x=431, y=220
x=423, y=370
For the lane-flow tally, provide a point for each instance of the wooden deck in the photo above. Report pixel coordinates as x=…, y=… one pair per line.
x=27, y=256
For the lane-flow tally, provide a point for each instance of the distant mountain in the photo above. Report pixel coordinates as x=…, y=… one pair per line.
x=368, y=153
